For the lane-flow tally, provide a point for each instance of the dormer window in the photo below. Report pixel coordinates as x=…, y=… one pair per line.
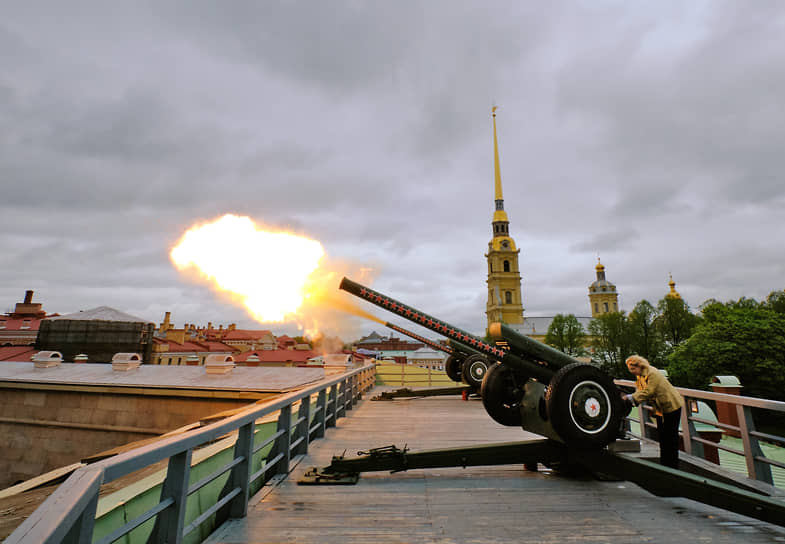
x=25, y=324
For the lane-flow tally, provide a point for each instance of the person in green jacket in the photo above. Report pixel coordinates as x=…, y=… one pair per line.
x=654, y=388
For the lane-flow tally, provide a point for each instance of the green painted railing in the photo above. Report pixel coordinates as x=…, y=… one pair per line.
x=194, y=498
x=750, y=446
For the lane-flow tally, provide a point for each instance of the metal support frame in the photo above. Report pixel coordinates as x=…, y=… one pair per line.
x=405, y=392
x=657, y=479
x=302, y=428
x=170, y=522
x=757, y=470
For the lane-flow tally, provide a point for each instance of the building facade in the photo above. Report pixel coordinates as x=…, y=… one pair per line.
x=603, y=297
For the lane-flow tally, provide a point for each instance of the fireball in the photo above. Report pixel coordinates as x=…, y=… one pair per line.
x=267, y=271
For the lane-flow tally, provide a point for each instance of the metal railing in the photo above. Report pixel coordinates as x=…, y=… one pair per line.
x=757, y=464
x=68, y=515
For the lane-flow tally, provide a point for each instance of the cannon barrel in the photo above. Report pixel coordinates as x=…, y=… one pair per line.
x=427, y=342
x=530, y=348
x=542, y=371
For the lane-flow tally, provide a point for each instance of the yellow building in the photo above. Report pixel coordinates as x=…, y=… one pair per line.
x=505, y=298
x=603, y=297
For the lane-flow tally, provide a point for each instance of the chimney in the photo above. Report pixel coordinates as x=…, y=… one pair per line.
x=209, y=325
x=165, y=324
x=232, y=326
x=28, y=297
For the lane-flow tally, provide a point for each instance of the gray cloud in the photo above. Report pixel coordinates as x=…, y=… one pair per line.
x=649, y=134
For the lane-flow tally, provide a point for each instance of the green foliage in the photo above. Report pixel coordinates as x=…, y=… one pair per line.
x=775, y=302
x=566, y=334
x=675, y=321
x=611, y=342
x=645, y=337
x=739, y=339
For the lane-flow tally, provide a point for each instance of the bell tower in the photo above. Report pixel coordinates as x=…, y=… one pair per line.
x=505, y=298
x=603, y=297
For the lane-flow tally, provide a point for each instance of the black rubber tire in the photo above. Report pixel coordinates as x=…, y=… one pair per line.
x=501, y=395
x=453, y=366
x=584, y=406
x=475, y=367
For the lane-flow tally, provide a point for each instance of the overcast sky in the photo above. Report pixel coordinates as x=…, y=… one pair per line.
x=648, y=133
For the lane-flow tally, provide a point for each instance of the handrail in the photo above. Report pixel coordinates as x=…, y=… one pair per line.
x=758, y=466
x=68, y=514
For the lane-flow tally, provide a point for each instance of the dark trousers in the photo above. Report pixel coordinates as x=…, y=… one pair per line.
x=668, y=431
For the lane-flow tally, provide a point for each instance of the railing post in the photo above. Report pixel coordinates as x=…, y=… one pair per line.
x=82, y=530
x=757, y=470
x=645, y=417
x=169, y=525
x=284, y=442
x=241, y=473
x=341, y=398
x=332, y=405
x=320, y=417
x=302, y=430
x=689, y=434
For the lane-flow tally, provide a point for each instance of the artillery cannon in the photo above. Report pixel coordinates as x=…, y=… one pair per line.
x=471, y=374
x=526, y=383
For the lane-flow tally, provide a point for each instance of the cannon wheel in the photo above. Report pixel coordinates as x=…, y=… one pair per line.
x=584, y=406
x=474, y=369
x=498, y=392
x=453, y=366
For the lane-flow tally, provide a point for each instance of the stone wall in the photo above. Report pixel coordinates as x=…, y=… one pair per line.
x=41, y=430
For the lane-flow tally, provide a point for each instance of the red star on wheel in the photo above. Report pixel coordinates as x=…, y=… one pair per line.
x=363, y=292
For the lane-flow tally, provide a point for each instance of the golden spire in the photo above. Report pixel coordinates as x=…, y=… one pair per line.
x=499, y=214
x=496, y=169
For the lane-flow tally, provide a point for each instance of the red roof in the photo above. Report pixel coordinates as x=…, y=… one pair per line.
x=277, y=355
x=17, y=353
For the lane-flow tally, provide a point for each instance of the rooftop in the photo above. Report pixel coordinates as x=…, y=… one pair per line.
x=256, y=379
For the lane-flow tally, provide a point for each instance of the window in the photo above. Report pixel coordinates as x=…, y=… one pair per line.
x=596, y=307
x=506, y=266
x=614, y=307
x=508, y=296
x=2, y=323
x=605, y=304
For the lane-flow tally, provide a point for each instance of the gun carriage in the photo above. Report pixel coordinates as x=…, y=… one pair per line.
x=524, y=382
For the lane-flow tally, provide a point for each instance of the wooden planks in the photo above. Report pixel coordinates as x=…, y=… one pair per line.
x=479, y=504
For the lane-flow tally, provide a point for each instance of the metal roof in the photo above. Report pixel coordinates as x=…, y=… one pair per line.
x=241, y=378
x=102, y=313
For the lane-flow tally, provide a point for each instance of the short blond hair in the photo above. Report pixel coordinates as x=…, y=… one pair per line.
x=638, y=361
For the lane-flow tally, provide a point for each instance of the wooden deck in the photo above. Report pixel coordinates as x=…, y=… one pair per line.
x=479, y=504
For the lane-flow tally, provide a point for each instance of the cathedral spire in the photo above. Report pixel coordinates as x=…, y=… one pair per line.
x=496, y=170
x=501, y=224
x=504, y=277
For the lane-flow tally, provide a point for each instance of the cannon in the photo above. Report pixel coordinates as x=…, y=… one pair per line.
x=527, y=383
x=471, y=374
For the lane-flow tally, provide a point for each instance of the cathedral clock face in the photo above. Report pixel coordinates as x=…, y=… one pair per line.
x=505, y=244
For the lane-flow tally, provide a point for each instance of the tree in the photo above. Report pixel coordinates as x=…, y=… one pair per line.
x=675, y=322
x=566, y=334
x=645, y=338
x=611, y=342
x=775, y=302
x=742, y=341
